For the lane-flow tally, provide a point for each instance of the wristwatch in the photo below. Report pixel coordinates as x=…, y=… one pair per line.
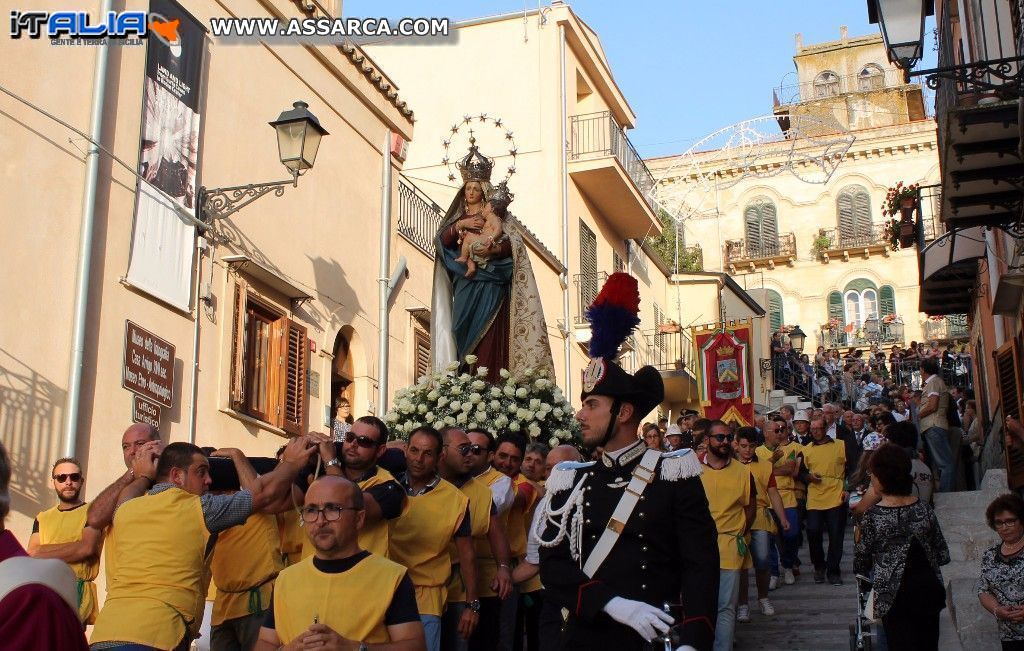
x=475, y=605
x=333, y=462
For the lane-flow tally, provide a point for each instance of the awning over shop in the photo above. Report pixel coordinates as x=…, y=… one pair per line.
x=949, y=269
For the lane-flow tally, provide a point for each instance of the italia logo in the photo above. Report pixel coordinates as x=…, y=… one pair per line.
x=80, y=25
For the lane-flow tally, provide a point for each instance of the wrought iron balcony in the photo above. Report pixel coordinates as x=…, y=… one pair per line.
x=743, y=250
x=594, y=135
x=947, y=328
x=839, y=240
x=881, y=331
x=834, y=86
x=669, y=348
x=418, y=217
x=587, y=286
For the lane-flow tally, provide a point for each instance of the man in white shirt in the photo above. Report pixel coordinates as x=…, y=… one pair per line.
x=932, y=412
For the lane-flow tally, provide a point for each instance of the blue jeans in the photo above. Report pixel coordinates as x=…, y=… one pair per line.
x=791, y=538
x=728, y=595
x=761, y=549
x=834, y=520
x=432, y=631
x=942, y=457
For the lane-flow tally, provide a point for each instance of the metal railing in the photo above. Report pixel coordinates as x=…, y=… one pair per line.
x=835, y=86
x=929, y=215
x=743, y=250
x=948, y=328
x=884, y=331
x=419, y=218
x=669, y=348
x=593, y=135
x=587, y=286
x=839, y=239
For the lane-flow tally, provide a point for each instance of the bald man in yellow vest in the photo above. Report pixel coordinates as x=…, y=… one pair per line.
x=65, y=523
x=155, y=597
x=343, y=597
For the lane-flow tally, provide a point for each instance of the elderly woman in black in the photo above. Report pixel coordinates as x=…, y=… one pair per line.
x=1001, y=586
x=901, y=547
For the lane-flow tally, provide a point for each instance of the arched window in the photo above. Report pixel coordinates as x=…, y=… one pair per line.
x=826, y=84
x=860, y=302
x=853, y=208
x=761, y=228
x=775, y=313
x=871, y=77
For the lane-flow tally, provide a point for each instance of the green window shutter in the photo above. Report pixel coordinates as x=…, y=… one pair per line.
x=761, y=227
x=752, y=226
x=835, y=307
x=862, y=212
x=887, y=300
x=775, y=314
x=859, y=285
x=845, y=217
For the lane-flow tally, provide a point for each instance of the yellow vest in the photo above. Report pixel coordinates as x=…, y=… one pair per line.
x=418, y=539
x=245, y=561
x=373, y=538
x=55, y=527
x=479, y=523
x=828, y=460
x=291, y=535
x=157, y=592
x=352, y=603
x=786, y=485
x=762, y=473
x=486, y=564
x=728, y=492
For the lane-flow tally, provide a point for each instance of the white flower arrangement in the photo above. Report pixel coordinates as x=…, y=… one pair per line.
x=529, y=404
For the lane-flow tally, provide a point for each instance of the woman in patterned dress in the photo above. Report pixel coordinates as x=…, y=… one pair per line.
x=1001, y=586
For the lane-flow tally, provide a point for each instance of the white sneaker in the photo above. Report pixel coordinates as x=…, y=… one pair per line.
x=773, y=583
x=788, y=577
x=766, y=607
x=743, y=613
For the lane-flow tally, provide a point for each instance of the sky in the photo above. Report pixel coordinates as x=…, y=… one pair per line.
x=688, y=68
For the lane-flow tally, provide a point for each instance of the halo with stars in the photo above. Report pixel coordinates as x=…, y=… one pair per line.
x=468, y=120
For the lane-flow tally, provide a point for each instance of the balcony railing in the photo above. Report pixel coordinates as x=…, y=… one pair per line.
x=884, y=331
x=593, y=135
x=587, y=286
x=929, y=214
x=835, y=86
x=418, y=217
x=743, y=250
x=948, y=328
x=669, y=348
x=865, y=238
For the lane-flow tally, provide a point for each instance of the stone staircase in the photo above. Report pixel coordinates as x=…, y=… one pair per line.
x=779, y=397
x=962, y=518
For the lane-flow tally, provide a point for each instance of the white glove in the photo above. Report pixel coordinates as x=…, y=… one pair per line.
x=685, y=647
x=643, y=618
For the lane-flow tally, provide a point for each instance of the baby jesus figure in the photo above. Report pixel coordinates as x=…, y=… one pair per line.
x=479, y=237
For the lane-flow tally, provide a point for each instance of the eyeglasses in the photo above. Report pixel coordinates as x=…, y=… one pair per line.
x=721, y=438
x=332, y=512
x=1008, y=522
x=361, y=441
x=75, y=477
x=466, y=448
x=778, y=430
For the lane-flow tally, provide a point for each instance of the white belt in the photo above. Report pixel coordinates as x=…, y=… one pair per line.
x=643, y=475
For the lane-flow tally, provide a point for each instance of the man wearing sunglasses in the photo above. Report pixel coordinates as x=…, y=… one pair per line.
x=344, y=597
x=823, y=469
x=730, y=489
x=362, y=447
x=65, y=523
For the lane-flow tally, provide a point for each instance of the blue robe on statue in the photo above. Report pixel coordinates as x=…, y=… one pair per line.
x=475, y=300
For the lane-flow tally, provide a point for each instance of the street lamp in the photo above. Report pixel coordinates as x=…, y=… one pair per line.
x=902, y=25
x=797, y=338
x=298, y=139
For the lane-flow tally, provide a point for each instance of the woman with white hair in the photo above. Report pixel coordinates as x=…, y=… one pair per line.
x=38, y=600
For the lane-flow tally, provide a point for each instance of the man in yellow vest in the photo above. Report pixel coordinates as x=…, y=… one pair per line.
x=362, y=447
x=436, y=513
x=462, y=612
x=824, y=471
x=763, y=530
x=784, y=457
x=155, y=596
x=508, y=458
x=343, y=597
x=65, y=523
x=494, y=583
x=729, y=487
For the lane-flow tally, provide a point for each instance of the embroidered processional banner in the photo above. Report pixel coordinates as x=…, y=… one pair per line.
x=723, y=371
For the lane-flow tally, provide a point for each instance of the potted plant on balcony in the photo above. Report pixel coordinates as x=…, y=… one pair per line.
x=902, y=199
x=820, y=244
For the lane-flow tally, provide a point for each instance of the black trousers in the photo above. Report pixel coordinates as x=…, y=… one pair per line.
x=833, y=520
x=485, y=636
x=912, y=630
x=528, y=621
